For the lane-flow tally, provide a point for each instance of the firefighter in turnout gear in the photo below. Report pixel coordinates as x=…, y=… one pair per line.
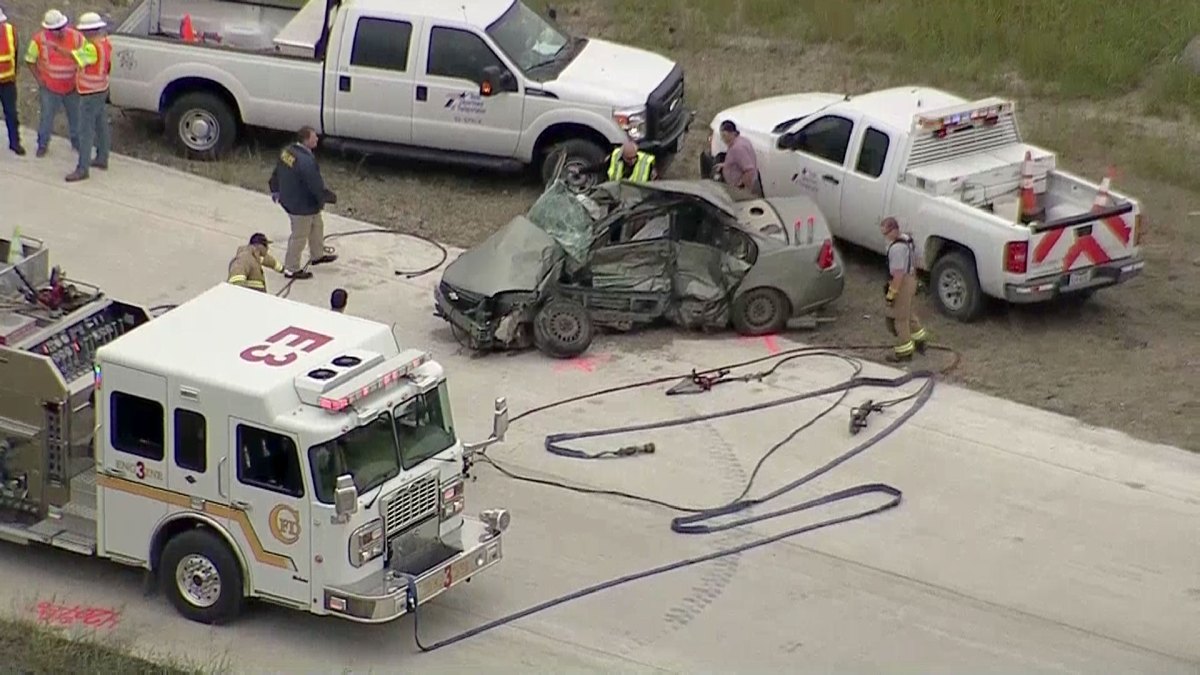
x=900, y=291
x=246, y=268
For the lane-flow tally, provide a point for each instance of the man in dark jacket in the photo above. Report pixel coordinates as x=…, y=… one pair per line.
x=296, y=184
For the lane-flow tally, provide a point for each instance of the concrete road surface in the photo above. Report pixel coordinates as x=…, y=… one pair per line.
x=1027, y=542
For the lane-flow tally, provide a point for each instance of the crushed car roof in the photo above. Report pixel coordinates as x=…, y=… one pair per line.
x=709, y=190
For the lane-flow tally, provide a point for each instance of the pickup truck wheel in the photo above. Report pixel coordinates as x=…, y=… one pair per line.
x=201, y=125
x=955, y=286
x=761, y=311
x=202, y=577
x=562, y=329
x=579, y=155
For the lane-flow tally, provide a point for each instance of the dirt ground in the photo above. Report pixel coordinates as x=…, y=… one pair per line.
x=1128, y=358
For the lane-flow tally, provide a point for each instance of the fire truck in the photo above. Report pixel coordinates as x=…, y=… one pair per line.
x=239, y=446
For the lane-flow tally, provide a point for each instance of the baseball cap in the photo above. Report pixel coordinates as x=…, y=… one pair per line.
x=259, y=239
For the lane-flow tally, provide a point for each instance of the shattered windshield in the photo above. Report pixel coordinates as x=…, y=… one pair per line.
x=560, y=213
x=529, y=40
x=424, y=426
x=367, y=453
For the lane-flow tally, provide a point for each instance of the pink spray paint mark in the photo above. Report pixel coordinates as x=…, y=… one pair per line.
x=585, y=364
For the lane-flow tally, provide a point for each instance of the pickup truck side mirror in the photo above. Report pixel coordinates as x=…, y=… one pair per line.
x=791, y=141
x=345, y=496
x=496, y=80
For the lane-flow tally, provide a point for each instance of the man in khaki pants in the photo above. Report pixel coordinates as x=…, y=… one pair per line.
x=296, y=185
x=901, y=290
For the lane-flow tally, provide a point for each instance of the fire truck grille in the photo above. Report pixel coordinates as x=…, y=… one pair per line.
x=411, y=503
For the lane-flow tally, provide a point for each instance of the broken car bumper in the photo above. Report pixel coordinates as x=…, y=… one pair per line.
x=479, y=335
x=383, y=596
x=1056, y=285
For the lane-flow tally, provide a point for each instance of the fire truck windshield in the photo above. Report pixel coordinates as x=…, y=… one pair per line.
x=367, y=453
x=424, y=426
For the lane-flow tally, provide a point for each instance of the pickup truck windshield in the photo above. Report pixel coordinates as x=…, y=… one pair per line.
x=368, y=453
x=528, y=39
x=424, y=426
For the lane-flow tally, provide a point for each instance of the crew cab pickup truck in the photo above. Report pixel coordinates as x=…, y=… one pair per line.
x=485, y=83
x=949, y=170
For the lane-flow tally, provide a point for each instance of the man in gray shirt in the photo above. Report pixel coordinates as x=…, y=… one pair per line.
x=740, y=168
x=903, y=262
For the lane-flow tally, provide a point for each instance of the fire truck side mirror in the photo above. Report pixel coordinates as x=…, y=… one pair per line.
x=345, y=496
x=500, y=420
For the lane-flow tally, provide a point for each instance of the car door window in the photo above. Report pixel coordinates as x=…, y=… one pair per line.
x=459, y=54
x=269, y=461
x=873, y=153
x=381, y=44
x=826, y=137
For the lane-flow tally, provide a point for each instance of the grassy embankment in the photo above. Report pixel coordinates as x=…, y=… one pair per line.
x=29, y=648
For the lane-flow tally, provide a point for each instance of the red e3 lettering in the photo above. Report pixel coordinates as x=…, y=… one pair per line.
x=300, y=339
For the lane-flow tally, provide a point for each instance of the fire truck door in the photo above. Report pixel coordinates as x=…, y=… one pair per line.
x=132, y=492
x=269, y=499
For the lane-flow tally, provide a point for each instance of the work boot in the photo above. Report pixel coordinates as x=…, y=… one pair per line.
x=298, y=274
x=325, y=259
x=41, y=151
x=921, y=346
x=18, y=150
x=97, y=164
x=76, y=176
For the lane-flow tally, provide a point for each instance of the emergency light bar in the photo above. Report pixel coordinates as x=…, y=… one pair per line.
x=987, y=111
x=387, y=380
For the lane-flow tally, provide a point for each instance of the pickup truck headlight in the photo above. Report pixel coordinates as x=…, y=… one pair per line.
x=632, y=121
x=452, y=498
x=367, y=543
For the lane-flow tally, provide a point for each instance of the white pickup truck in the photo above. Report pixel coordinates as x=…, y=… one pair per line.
x=950, y=171
x=488, y=84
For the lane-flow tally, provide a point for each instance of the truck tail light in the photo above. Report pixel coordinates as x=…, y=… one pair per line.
x=1016, y=257
x=1137, y=230
x=825, y=258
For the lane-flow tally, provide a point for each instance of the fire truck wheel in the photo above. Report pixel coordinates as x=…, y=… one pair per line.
x=202, y=577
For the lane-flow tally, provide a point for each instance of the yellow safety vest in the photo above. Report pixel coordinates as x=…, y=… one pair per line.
x=641, y=168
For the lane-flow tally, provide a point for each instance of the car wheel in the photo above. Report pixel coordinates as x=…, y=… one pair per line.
x=201, y=125
x=576, y=154
x=562, y=329
x=955, y=286
x=202, y=578
x=761, y=311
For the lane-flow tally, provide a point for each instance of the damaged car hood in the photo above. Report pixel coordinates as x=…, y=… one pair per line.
x=516, y=258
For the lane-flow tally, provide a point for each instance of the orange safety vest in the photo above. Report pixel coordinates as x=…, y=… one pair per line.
x=56, y=66
x=8, y=53
x=93, y=78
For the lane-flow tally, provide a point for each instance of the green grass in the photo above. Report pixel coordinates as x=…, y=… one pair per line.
x=1069, y=48
x=29, y=648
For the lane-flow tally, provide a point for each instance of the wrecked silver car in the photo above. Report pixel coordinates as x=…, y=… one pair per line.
x=620, y=255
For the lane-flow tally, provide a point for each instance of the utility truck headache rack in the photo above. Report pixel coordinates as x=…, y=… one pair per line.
x=970, y=128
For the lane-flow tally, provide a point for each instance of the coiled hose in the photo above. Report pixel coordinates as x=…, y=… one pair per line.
x=697, y=520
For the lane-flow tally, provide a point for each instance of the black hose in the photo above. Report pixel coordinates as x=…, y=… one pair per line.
x=407, y=274
x=693, y=522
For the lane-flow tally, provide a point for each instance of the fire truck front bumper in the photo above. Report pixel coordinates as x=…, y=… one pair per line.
x=1061, y=285
x=384, y=596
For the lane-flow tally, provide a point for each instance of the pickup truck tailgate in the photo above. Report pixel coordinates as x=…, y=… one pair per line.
x=1074, y=244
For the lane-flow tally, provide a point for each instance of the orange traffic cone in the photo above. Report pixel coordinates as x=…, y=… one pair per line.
x=1029, y=206
x=186, y=31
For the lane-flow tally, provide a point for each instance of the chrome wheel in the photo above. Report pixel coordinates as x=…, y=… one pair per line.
x=952, y=290
x=574, y=177
x=198, y=580
x=199, y=130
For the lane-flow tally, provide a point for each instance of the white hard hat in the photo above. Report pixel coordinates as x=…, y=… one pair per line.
x=90, y=21
x=3, y=18
x=54, y=19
